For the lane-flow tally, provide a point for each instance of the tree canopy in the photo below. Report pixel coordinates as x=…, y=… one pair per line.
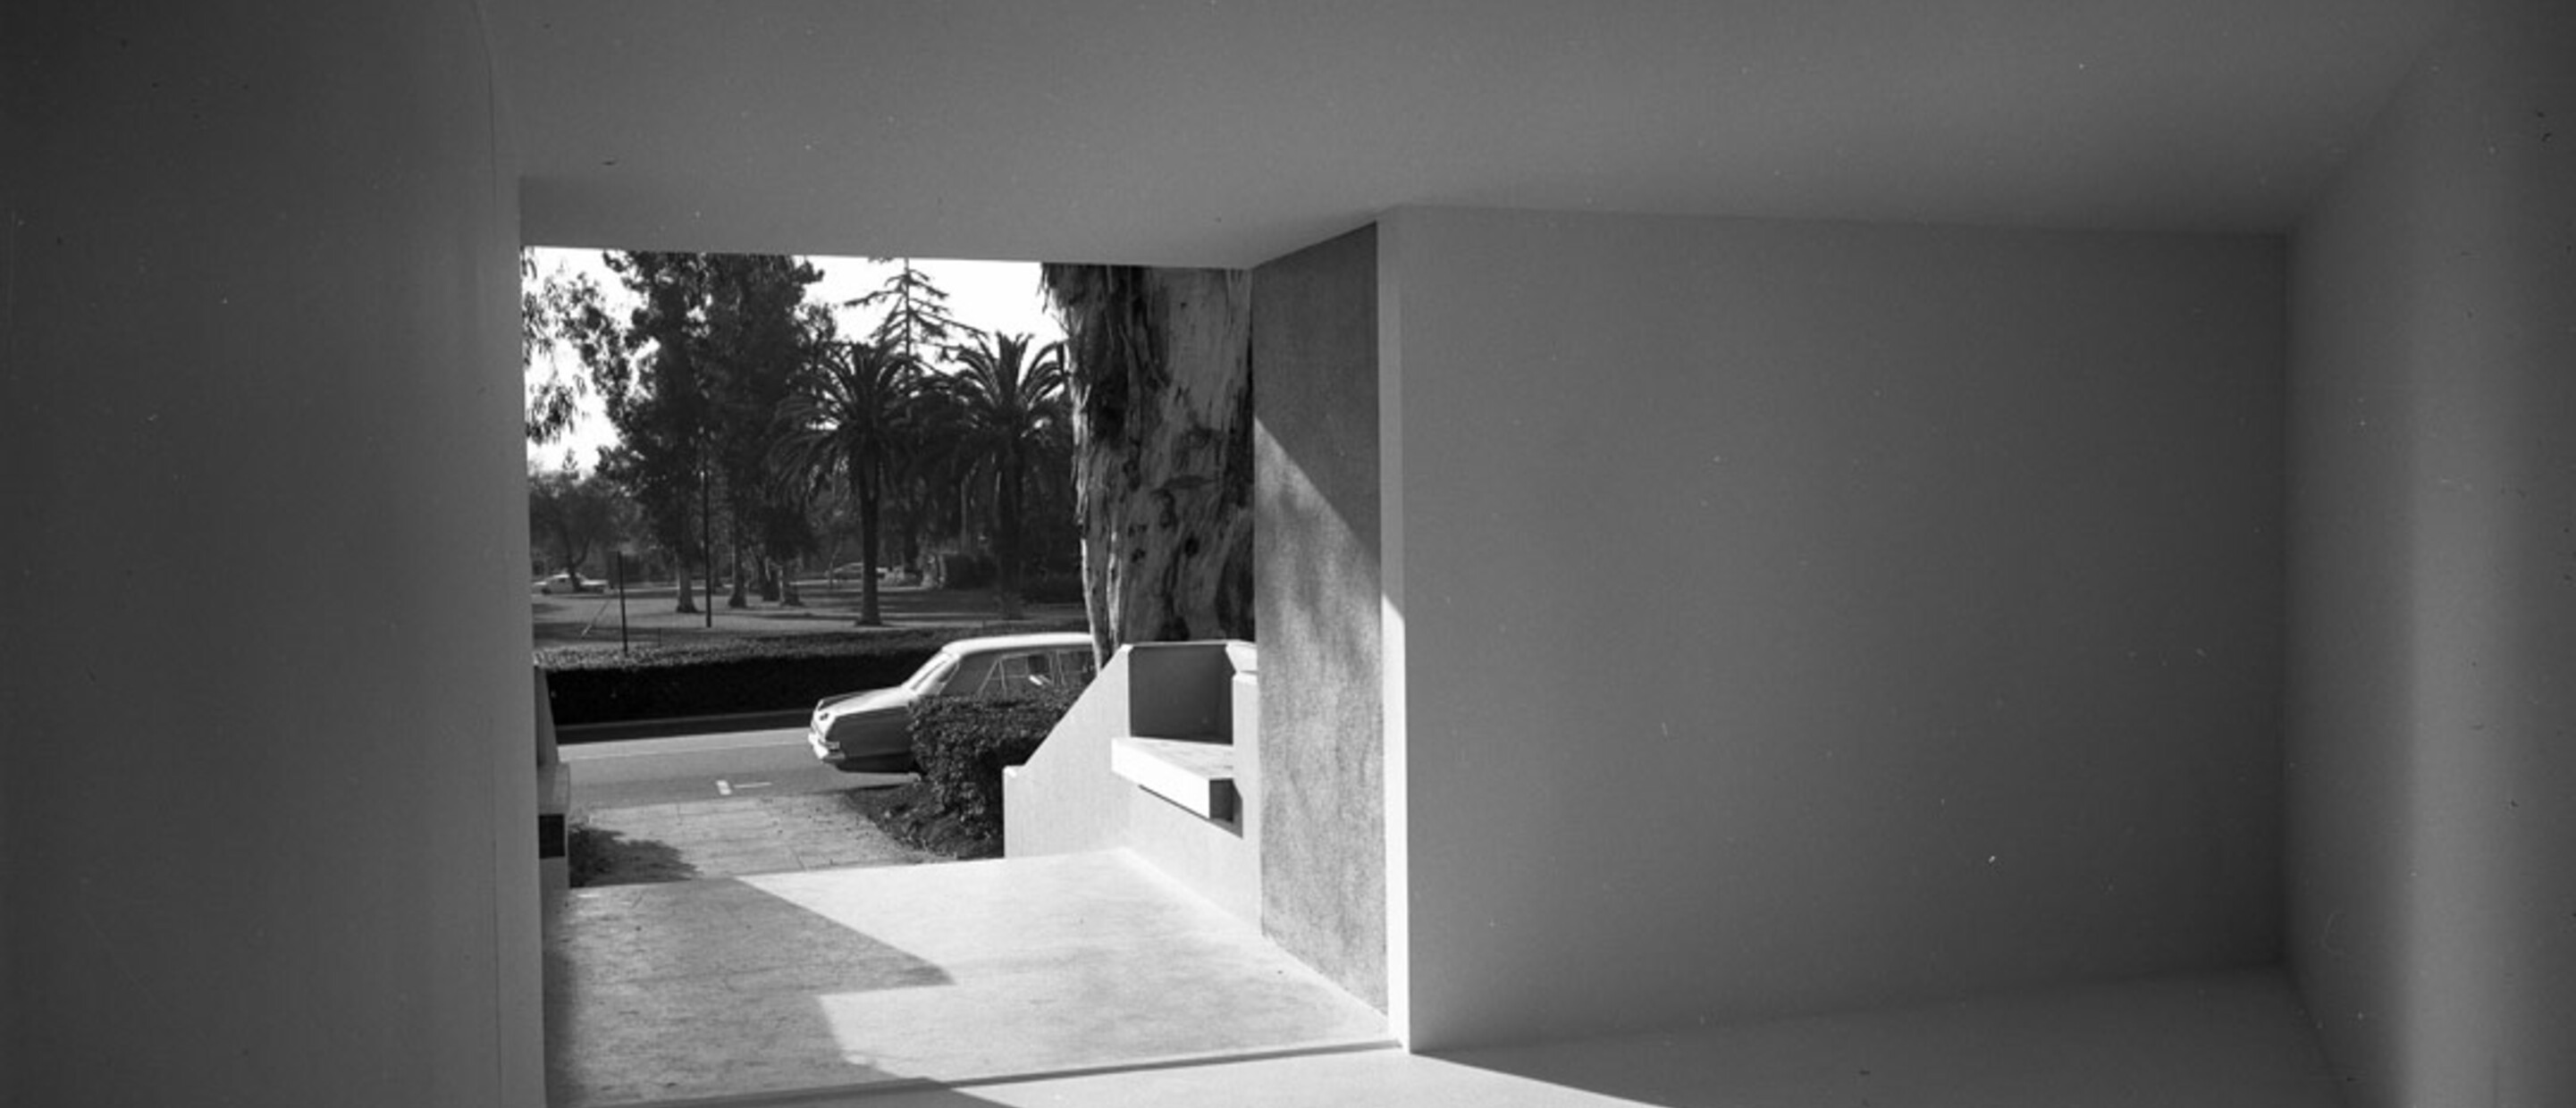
x=693, y=384
x=747, y=425
x=555, y=310
x=851, y=411
x=571, y=515
x=1011, y=405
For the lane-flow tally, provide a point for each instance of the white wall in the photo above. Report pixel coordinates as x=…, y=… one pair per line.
x=266, y=795
x=2433, y=600
x=1067, y=800
x=1801, y=616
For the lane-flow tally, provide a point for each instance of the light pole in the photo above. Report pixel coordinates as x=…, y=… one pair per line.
x=623, y=647
x=707, y=533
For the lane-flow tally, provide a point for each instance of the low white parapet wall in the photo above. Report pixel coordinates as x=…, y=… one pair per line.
x=1156, y=758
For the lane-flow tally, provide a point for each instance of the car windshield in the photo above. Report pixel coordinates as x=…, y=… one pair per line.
x=932, y=673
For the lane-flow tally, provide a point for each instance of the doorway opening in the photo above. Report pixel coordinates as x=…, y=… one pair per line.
x=751, y=883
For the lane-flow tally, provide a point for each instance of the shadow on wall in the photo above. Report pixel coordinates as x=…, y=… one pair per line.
x=1316, y=502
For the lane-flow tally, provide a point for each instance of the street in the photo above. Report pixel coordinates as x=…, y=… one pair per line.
x=704, y=767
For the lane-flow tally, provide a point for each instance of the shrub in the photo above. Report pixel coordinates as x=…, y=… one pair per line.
x=966, y=573
x=725, y=677
x=961, y=743
x=1053, y=588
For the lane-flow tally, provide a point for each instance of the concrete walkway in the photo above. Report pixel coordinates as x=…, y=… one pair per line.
x=888, y=977
x=755, y=834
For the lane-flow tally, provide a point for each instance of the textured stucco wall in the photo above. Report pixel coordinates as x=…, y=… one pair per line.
x=1812, y=616
x=267, y=766
x=1314, y=359
x=2432, y=838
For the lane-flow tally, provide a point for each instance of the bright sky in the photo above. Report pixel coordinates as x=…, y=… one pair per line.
x=995, y=296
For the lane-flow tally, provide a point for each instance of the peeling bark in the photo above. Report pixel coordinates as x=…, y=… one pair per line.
x=1162, y=384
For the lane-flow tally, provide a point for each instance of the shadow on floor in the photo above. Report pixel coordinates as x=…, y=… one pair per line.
x=603, y=856
x=913, y=976
x=705, y=988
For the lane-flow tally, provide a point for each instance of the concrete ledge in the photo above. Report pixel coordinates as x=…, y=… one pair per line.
x=1195, y=774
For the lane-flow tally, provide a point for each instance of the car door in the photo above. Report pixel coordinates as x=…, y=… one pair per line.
x=1019, y=674
x=1075, y=668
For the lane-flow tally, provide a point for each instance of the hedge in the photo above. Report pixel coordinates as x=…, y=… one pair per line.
x=737, y=676
x=961, y=743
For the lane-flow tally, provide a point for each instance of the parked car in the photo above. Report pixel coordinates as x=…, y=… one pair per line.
x=869, y=732
x=855, y=571
x=570, y=582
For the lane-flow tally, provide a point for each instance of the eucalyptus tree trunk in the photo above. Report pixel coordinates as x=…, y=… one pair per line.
x=1162, y=392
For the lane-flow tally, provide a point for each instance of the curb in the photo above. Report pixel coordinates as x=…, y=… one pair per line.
x=575, y=734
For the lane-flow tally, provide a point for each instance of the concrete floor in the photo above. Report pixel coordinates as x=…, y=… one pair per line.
x=2225, y=1040
x=830, y=979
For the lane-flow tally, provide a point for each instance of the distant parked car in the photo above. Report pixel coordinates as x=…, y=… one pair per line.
x=868, y=732
x=856, y=571
x=569, y=582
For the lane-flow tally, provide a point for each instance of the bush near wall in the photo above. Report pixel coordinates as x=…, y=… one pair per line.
x=1054, y=588
x=740, y=676
x=961, y=743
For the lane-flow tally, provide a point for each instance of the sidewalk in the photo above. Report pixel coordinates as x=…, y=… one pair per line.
x=752, y=834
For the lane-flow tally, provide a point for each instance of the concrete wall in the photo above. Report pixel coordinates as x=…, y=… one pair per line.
x=1067, y=800
x=266, y=792
x=1315, y=508
x=2433, y=599
x=1799, y=617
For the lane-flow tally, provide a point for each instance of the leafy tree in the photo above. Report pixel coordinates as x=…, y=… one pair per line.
x=693, y=383
x=848, y=417
x=1012, y=410
x=574, y=513
x=555, y=309
x=759, y=341
x=1159, y=370
x=916, y=314
x=654, y=381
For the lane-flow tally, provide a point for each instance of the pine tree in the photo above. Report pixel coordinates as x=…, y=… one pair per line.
x=916, y=315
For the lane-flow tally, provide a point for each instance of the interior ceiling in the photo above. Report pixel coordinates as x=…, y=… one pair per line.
x=1227, y=132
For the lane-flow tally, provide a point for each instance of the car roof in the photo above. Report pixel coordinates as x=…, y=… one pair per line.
x=1044, y=640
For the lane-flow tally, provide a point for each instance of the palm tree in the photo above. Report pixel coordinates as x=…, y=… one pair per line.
x=846, y=416
x=1011, y=403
